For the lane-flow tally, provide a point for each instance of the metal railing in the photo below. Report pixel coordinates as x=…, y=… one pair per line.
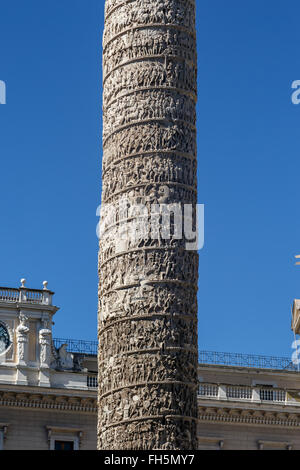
x=77, y=346
x=205, y=357
x=246, y=360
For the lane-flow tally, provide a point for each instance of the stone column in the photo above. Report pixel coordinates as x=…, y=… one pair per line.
x=148, y=351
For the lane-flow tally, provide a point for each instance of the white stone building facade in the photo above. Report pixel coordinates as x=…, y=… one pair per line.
x=48, y=387
x=47, y=395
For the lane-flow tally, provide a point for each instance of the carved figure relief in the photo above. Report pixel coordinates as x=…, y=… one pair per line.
x=148, y=284
x=22, y=338
x=45, y=341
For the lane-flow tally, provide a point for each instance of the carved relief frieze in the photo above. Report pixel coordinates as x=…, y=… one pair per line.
x=147, y=278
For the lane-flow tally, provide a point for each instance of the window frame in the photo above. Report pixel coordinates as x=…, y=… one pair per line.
x=274, y=445
x=65, y=440
x=3, y=431
x=57, y=433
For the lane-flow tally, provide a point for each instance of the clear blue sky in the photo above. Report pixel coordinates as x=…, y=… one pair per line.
x=249, y=165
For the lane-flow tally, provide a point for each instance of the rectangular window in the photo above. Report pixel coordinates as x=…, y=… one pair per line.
x=64, y=445
x=3, y=431
x=61, y=438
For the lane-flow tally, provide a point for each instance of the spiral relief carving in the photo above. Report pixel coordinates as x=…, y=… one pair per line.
x=147, y=326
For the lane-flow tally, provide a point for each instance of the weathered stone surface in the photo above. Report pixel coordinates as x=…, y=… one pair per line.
x=148, y=287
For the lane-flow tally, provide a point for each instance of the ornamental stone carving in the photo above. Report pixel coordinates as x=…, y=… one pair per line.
x=148, y=354
x=45, y=341
x=22, y=339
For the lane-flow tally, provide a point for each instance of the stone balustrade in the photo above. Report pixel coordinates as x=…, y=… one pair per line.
x=25, y=295
x=245, y=393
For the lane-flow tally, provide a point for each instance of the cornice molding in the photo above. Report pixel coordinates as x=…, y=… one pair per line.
x=47, y=401
x=249, y=417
